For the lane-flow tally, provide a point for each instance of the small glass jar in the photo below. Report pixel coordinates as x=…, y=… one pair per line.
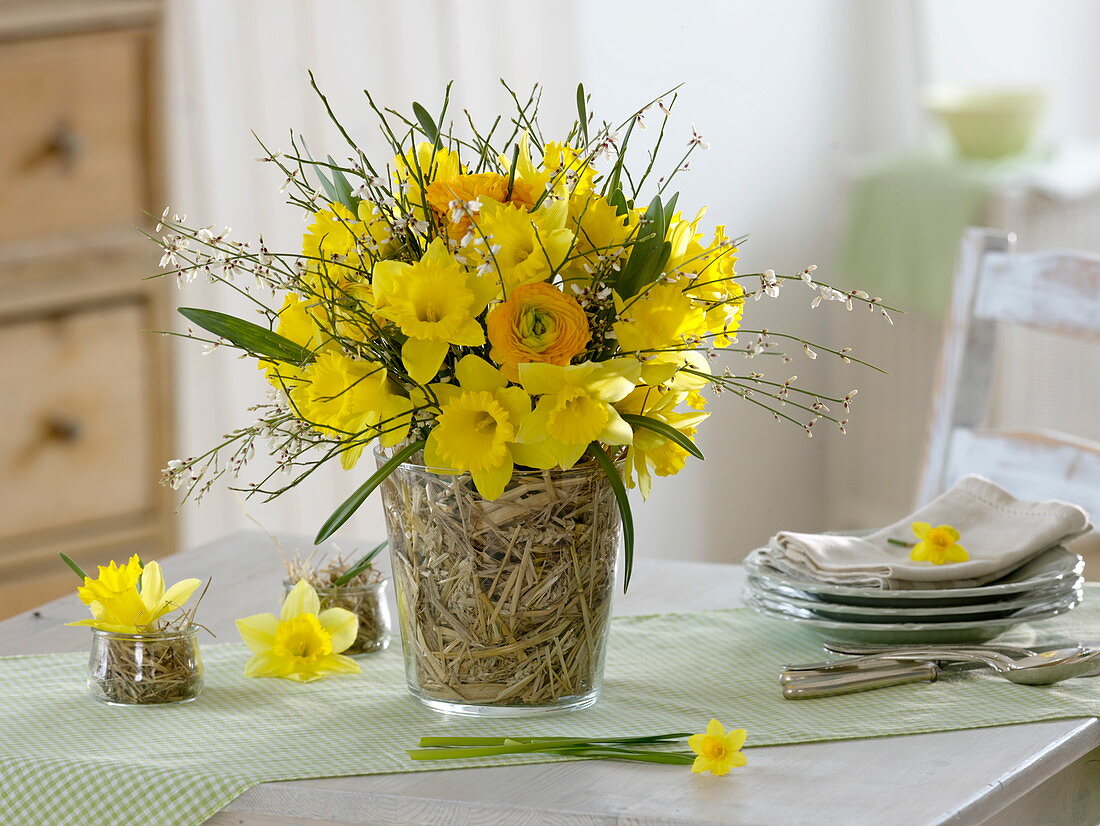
x=368, y=603
x=156, y=668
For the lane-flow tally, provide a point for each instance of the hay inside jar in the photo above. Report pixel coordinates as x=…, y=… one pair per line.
x=352, y=584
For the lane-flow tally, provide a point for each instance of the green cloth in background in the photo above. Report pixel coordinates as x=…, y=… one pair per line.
x=66, y=759
x=906, y=214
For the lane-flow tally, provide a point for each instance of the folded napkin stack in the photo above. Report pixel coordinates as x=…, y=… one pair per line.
x=999, y=532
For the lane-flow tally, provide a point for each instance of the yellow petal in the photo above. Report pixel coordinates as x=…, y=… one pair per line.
x=152, y=585
x=736, y=739
x=922, y=529
x=700, y=765
x=177, y=596
x=957, y=553
x=950, y=531
x=422, y=358
x=258, y=631
x=920, y=552
x=538, y=379
x=266, y=664
x=491, y=483
x=337, y=664
x=617, y=431
x=302, y=599
x=716, y=729
x=342, y=624
x=695, y=742
x=475, y=373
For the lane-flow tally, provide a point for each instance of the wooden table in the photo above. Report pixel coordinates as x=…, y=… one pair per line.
x=1038, y=773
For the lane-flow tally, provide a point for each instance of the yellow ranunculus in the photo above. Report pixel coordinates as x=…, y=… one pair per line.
x=345, y=397
x=130, y=599
x=651, y=452
x=663, y=316
x=718, y=750
x=303, y=643
x=476, y=428
x=521, y=247
x=538, y=323
x=435, y=302
x=937, y=545
x=575, y=406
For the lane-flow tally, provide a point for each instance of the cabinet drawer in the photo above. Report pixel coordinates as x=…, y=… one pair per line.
x=72, y=141
x=76, y=445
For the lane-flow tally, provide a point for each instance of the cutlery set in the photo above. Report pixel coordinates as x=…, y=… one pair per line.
x=870, y=667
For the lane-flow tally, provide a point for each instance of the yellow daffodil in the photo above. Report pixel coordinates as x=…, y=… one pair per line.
x=602, y=238
x=435, y=302
x=521, y=247
x=338, y=246
x=348, y=397
x=575, y=406
x=937, y=545
x=303, y=643
x=651, y=452
x=476, y=428
x=663, y=316
x=538, y=323
x=718, y=750
x=415, y=171
x=297, y=324
x=131, y=598
x=562, y=170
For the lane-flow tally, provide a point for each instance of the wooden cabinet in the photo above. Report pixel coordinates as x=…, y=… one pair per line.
x=85, y=387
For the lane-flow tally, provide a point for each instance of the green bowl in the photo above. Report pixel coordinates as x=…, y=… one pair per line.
x=987, y=123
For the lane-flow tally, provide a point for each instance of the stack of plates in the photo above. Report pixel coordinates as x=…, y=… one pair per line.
x=1048, y=585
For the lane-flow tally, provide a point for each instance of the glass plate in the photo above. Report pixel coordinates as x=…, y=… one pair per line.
x=924, y=613
x=1054, y=565
x=973, y=631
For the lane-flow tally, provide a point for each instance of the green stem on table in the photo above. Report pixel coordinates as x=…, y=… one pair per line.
x=899, y=542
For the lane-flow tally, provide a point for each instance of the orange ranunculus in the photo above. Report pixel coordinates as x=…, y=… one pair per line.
x=538, y=323
x=476, y=188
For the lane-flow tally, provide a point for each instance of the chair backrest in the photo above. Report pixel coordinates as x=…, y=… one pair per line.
x=1055, y=291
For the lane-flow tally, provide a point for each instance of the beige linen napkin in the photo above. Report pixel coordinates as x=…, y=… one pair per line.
x=999, y=532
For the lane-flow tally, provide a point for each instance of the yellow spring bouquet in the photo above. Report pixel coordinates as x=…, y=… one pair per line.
x=493, y=300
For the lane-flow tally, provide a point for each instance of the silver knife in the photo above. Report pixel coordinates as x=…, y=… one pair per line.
x=811, y=685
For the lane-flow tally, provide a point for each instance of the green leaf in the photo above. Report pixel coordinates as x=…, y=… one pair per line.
x=360, y=566
x=250, y=337
x=330, y=190
x=616, y=170
x=582, y=113
x=427, y=125
x=343, y=189
x=666, y=430
x=624, y=508
x=68, y=560
x=352, y=503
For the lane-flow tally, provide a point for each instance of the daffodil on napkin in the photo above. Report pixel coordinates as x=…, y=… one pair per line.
x=130, y=598
x=714, y=750
x=303, y=643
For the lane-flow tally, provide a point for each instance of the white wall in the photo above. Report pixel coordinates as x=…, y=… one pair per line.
x=784, y=90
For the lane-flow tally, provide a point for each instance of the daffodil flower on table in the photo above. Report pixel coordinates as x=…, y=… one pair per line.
x=477, y=427
x=718, y=750
x=937, y=545
x=131, y=598
x=303, y=643
x=575, y=406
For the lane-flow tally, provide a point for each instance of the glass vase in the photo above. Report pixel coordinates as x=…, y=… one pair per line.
x=504, y=605
x=368, y=603
x=156, y=668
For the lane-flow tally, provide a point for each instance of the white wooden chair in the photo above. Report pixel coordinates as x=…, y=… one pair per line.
x=1054, y=291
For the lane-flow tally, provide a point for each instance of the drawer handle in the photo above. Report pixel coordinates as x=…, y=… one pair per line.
x=65, y=144
x=62, y=429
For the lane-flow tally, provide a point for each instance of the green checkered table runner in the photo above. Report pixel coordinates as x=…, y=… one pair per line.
x=66, y=759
